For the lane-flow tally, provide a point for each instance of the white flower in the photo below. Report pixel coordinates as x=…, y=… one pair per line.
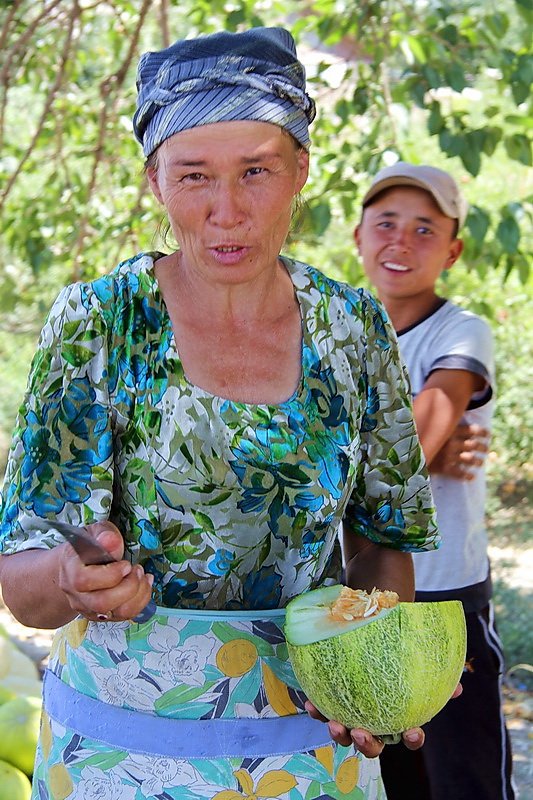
x=122, y=686
x=95, y=784
x=157, y=774
x=112, y=637
x=178, y=663
x=247, y=711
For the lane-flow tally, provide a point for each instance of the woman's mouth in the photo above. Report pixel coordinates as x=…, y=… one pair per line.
x=228, y=254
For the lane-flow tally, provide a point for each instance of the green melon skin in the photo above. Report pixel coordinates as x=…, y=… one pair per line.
x=19, y=731
x=389, y=674
x=14, y=784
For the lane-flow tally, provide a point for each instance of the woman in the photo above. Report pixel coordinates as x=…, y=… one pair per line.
x=217, y=412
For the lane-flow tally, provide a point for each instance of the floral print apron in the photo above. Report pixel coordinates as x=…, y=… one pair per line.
x=194, y=705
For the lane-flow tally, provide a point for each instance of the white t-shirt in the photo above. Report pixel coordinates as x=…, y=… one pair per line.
x=453, y=338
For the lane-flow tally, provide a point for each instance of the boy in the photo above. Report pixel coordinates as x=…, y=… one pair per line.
x=406, y=238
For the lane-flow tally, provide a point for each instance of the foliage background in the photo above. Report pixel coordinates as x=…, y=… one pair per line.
x=440, y=81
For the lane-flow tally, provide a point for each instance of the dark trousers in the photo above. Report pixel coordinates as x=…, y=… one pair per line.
x=467, y=754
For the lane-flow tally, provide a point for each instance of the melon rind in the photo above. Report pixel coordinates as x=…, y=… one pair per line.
x=392, y=674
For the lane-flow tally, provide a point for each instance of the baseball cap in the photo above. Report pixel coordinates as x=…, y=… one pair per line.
x=437, y=182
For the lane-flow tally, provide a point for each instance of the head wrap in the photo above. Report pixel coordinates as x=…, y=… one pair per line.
x=254, y=75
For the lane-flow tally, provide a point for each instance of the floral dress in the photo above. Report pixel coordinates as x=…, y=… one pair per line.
x=235, y=509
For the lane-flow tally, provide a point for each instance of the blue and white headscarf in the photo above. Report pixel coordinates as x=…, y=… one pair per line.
x=254, y=75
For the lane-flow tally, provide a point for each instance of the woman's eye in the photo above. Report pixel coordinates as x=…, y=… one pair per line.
x=193, y=177
x=255, y=171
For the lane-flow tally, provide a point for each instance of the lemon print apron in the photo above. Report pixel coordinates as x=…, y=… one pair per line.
x=195, y=705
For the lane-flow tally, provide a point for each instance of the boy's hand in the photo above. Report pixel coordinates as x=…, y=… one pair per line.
x=463, y=453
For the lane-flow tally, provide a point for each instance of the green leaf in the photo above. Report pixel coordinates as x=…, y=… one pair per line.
x=498, y=24
x=508, y=234
x=320, y=216
x=450, y=34
x=432, y=76
x=477, y=222
x=176, y=697
x=204, y=521
x=452, y=144
x=76, y=354
x=184, y=450
x=455, y=76
x=520, y=91
x=104, y=761
x=471, y=151
x=414, y=44
x=435, y=119
x=393, y=457
x=518, y=147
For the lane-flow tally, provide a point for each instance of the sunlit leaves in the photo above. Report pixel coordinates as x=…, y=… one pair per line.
x=462, y=70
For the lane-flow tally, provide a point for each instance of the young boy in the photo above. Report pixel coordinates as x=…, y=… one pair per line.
x=406, y=238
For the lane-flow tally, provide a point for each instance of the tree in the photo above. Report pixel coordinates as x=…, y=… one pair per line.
x=72, y=195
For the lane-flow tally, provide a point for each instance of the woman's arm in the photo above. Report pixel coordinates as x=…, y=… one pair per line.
x=48, y=588
x=370, y=565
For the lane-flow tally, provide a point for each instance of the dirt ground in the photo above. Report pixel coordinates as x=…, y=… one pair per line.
x=518, y=704
x=515, y=567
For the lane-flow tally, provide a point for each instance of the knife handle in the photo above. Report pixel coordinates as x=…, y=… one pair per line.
x=147, y=612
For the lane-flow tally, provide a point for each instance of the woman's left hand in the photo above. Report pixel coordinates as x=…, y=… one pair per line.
x=369, y=745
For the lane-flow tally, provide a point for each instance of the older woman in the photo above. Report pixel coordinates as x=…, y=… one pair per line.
x=212, y=416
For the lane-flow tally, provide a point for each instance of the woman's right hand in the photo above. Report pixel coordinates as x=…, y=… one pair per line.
x=104, y=592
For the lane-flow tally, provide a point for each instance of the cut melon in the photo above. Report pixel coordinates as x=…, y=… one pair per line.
x=386, y=672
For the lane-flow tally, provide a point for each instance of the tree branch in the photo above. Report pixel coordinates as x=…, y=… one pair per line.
x=108, y=87
x=74, y=16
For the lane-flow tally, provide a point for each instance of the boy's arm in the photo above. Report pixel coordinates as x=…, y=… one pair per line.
x=438, y=408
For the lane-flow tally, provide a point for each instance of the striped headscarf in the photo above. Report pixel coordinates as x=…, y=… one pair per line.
x=254, y=75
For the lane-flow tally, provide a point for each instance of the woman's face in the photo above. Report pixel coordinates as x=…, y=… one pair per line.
x=228, y=189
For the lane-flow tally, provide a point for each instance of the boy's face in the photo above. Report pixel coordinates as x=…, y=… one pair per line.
x=405, y=242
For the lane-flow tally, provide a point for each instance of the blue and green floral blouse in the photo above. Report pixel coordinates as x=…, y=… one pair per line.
x=230, y=505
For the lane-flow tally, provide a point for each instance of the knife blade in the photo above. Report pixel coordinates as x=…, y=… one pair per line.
x=91, y=552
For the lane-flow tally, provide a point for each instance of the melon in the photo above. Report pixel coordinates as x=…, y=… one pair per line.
x=369, y=661
x=22, y=665
x=6, y=693
x=6, y=656
x=14, y=784
x=21, y=686
x=19, y=731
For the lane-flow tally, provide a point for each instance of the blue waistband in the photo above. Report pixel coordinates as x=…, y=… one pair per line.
x=146, y=734
x=275, y=614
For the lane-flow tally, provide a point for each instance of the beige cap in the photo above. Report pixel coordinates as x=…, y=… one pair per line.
x=438, y=183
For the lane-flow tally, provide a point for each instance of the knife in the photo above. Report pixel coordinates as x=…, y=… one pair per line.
x=91, y=552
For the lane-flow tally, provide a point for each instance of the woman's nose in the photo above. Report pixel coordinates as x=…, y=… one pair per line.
x=227, y=207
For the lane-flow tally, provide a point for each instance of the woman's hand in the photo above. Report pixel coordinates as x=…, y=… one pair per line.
x=370, y=746
x=113, y=592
